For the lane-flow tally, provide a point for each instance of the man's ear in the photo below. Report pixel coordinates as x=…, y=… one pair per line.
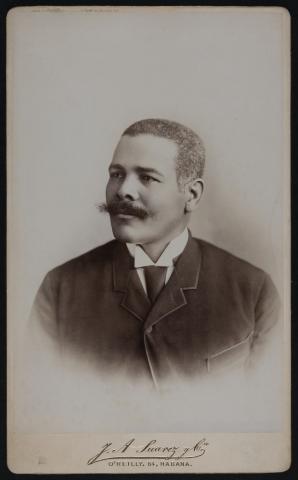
x=194, y=190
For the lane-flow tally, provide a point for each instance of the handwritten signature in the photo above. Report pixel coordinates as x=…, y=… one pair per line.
x=151, y=450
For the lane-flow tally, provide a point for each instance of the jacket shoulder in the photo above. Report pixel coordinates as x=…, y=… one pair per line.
x=97, y=257
x=216, y=258
x=225, y=271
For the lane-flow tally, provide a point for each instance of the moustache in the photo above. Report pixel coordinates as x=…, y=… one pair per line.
x=124, y=207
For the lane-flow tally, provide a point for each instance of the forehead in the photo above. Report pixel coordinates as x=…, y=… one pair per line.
x=146, y=151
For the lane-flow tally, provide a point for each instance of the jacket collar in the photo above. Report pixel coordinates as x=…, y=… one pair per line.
x=126, y=280
x=184, y=277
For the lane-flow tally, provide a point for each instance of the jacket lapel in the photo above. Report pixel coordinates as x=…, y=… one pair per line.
x=184, y=277
x=126, y=280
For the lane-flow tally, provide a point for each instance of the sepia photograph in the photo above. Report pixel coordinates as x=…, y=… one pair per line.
x=148, y=239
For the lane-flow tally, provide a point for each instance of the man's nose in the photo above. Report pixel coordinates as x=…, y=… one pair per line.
x=128, y=189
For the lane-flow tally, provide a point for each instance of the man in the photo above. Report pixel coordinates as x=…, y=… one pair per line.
x=156, y=303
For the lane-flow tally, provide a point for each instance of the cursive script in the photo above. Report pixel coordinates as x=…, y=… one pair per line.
x=150, y=450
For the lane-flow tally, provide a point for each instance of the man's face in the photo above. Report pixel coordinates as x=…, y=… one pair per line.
x=143, y=175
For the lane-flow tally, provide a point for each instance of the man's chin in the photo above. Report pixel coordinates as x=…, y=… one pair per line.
x=126, y=233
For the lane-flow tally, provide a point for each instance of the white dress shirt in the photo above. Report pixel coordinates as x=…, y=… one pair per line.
x=141, y=259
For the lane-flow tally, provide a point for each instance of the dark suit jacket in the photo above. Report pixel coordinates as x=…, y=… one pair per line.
x=215, y=311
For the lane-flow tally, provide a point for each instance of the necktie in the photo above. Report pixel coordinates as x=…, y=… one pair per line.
x=155, y=281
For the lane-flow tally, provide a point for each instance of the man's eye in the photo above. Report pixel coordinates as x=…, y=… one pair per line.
x=147, y=179
x=116, y=175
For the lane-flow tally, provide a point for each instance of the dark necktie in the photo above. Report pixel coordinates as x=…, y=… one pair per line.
x=155, y=281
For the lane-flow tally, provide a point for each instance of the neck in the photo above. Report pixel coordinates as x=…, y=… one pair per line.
x=155, y=249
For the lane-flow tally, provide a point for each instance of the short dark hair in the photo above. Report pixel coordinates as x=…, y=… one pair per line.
x=191, y=152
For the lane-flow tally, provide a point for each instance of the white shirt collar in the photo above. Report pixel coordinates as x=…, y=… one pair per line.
x=175, y=248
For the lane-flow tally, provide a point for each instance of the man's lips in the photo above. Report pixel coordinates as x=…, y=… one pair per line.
x=124, y=216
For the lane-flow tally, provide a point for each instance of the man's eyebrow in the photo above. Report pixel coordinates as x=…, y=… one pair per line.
x=116, y=165
x=149, y=170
